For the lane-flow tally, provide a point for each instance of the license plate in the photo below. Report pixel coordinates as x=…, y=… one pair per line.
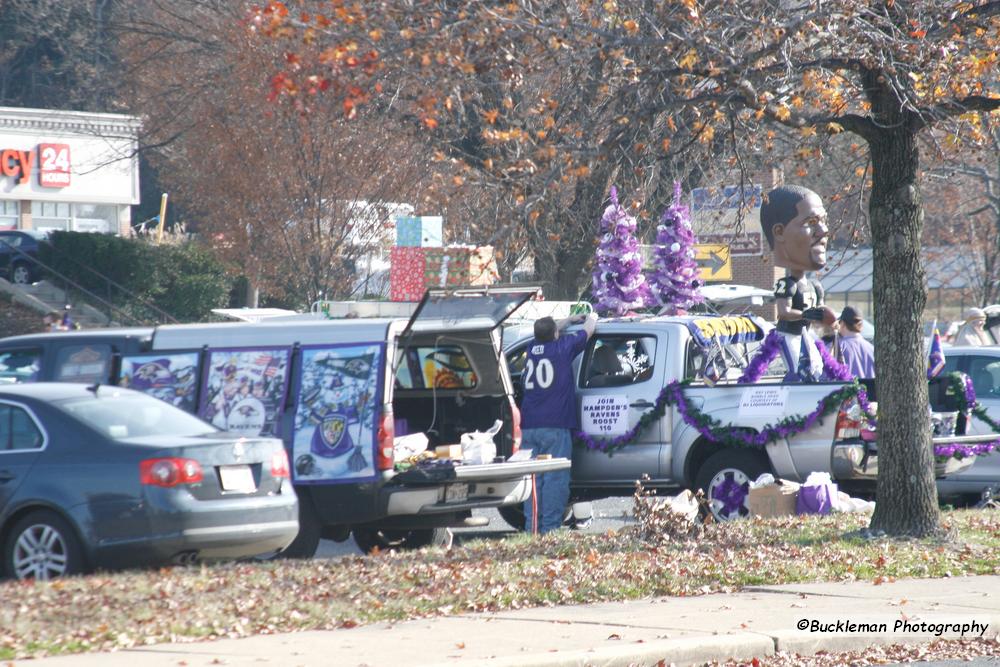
x=456, y=493
x=237, y=478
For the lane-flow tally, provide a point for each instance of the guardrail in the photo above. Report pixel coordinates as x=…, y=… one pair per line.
x=112, y=310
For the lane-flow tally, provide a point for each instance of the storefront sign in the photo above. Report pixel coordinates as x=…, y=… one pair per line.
x=604, y=415
x=17, y=164
x=53, y=164
x=742, y=245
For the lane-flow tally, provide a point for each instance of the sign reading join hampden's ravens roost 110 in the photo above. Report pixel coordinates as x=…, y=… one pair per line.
x=336, y=413
x=168, y=376
x=244, y=389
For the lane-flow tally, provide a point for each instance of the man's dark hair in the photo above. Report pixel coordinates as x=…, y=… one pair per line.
x=780, y=206
x=545, y=330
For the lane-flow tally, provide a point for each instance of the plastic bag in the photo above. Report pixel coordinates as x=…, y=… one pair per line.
x=478, y=446
x=817, y=478
x=684, y=504
x=406, y=446
x=766, y=479
x=816, y=498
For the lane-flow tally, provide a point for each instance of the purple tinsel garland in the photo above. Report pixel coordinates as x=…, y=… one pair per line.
x=673, y=394
x=768, y=350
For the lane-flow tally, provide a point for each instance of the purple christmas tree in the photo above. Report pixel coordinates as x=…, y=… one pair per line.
x=618, y=284
x=675, y=272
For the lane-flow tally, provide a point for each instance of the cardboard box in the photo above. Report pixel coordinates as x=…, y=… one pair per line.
x=777, y=499
x=448, y=452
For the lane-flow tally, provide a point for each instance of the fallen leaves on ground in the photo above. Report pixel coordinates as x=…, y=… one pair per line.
x=183, y=604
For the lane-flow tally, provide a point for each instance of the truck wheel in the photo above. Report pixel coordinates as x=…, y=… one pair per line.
x=513, y=515
x=307, y=541
x=725, y=478
x=384, y=539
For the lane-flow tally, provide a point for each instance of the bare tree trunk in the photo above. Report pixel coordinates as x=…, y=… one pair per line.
x=907, y=496
x=563, y=273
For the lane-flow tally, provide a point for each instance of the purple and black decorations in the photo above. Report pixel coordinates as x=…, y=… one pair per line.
x=618, y=284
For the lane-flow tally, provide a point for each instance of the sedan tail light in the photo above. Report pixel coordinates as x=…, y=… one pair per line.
x=279, y=464
x=170, y=471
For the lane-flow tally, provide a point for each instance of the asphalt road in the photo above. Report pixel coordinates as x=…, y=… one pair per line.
x=609, y=514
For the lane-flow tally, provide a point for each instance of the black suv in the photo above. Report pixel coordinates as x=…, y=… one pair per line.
x=19, y=267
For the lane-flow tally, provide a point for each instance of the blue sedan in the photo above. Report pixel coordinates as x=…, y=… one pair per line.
x=97, y=477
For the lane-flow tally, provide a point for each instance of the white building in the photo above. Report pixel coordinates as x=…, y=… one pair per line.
x=67, y=170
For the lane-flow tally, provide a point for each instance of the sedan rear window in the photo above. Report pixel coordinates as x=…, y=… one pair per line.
x=120, y=416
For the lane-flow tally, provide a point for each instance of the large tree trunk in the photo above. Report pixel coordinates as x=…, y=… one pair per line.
x=907, y=502
x=562, y=266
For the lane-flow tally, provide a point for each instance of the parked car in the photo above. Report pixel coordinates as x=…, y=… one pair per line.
x=95, y=477
x=339, y=393
x=982, y=365
x=18, y=250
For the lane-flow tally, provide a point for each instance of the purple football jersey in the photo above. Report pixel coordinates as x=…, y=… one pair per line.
x=549, y=397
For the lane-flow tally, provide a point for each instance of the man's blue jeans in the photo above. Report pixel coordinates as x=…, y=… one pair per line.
x=551, y=488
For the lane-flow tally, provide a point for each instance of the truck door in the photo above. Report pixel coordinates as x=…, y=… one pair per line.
x=620, y=376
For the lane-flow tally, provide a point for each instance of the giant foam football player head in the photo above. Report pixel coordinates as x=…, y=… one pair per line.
x=794, y=222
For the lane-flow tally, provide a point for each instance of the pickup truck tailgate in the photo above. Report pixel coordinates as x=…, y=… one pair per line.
x=465, y=487
x=509, y=470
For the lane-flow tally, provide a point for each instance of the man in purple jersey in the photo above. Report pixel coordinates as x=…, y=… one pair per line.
x=548, y=411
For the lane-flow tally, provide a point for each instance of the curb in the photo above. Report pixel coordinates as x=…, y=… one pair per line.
x=685, y=651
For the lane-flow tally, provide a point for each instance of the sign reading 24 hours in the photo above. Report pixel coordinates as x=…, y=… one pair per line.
x=53, y=162
x=53, y=165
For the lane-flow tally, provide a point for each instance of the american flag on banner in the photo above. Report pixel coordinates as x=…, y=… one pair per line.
x=262, y=360
x=935, y=360
x=271, y=371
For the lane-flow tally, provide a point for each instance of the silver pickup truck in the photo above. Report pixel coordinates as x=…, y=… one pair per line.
x=622, y=371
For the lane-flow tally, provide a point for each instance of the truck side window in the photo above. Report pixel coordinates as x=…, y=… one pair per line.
x=83, y=363
x=619, y=360
x=20, y=366
x=985, y=374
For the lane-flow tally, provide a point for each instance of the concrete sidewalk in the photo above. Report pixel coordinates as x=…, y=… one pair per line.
x=755, y=622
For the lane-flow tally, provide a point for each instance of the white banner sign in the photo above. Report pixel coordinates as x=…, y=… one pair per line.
x=604, y=415
x=763, y=401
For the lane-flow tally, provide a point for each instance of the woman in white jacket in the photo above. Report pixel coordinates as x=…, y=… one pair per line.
x=972, y=333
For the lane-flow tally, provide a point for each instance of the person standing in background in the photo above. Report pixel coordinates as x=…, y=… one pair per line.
x=852, y=349
x=972, y=333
